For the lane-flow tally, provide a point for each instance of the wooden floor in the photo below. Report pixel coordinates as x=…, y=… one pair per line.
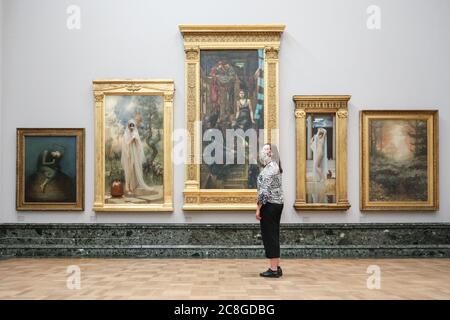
x=222, y=279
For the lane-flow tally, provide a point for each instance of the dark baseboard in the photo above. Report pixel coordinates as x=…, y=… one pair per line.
x=223, y=240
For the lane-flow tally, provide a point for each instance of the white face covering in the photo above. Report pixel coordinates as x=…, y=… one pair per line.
x=265, y=157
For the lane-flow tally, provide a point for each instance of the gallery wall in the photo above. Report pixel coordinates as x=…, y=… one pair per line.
x=326, y=48
x=1, y=86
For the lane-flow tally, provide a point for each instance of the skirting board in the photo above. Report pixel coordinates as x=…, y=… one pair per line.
x=223, y=240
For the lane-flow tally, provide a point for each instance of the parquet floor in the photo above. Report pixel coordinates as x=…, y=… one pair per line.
x=222, y=279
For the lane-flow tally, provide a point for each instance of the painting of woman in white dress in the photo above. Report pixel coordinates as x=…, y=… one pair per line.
x=134, y=153
x=132, y=159
x=321, y=155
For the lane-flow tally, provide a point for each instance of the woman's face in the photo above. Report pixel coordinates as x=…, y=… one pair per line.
x=131, y=126
x=266, y=155
x=266, y=149
x=241, y=94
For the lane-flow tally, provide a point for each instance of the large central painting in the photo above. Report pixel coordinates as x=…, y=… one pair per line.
x=232, y=105
x=232, y=99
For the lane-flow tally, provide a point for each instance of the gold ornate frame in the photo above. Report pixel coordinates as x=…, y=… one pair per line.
x=21, y=204
x=102, y=88
x=214, y=37
x=321, y=104
x=432, y=118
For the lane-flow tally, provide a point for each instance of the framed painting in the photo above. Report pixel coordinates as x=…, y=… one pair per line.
x=133, y=145
x=50, y=169
x=231, y=110
x=399, y=160
x=321, y=152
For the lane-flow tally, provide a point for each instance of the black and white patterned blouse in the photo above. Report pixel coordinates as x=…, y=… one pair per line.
x=269, y=184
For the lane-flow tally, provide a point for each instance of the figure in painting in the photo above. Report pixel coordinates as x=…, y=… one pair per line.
x=49, y=183
x=134, y=153
x=320, y=160
x=48, y=164
x=223, y=81
x=244, y=113
x=132, y=159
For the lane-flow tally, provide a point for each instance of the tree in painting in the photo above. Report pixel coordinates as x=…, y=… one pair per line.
x=398, y=160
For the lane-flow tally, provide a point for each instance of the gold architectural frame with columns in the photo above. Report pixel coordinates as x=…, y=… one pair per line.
x=337, y=104
x=225, y=37
x=103, y=88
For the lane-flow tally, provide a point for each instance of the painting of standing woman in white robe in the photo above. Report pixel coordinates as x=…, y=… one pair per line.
x=321, y=156
x=134, y=154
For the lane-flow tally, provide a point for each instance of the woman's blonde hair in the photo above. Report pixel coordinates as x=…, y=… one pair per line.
x=275, y=155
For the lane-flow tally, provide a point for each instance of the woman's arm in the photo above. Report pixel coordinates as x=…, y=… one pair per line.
x=251, y=110
x=258, y=211
x=263, y=189
x=44, y=161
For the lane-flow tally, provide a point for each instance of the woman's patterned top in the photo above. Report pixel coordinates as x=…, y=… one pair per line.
x=269, y=184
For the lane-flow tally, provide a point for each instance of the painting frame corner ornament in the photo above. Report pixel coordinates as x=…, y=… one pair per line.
x=399, y=162
x=321, y=152
x=133, y=145
x=223, y=63
x=50, y=169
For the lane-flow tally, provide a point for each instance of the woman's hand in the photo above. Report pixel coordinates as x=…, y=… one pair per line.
x=258, y=214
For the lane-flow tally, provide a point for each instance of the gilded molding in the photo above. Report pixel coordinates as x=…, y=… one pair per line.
x=342, y=114
x=300, y=114
x=192, y=53
x=271, y=52
x=99, y=97
x=168, y=97
x=134, y=87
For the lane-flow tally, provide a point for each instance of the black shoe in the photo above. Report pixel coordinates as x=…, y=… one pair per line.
x=270, y=274
x=280, y=271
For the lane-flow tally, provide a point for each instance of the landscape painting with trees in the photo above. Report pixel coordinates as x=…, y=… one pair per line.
x=398, y=160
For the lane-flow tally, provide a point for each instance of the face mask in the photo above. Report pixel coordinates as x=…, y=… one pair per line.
x=264, y=158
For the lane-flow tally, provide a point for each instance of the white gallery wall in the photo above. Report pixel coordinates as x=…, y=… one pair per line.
x=47, y=71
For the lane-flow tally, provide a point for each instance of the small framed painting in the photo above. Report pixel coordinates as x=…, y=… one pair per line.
x=133, y=146
x=50, y=169
x=321, y=135
x=399, y=160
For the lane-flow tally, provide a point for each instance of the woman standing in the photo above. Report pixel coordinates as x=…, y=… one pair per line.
x=269, y=207
x=320, y=160
x=132, y=159
x=244, y=113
